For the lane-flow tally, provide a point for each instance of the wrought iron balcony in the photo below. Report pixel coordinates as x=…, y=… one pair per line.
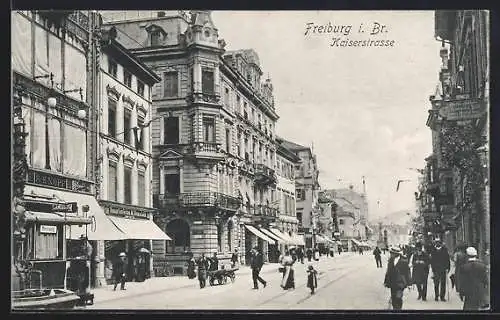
x=264, y=175
x=206, y=150
x=266, y=211
x=197, y=200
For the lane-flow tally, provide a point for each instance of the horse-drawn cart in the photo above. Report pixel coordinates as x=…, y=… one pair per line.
x=221, y=276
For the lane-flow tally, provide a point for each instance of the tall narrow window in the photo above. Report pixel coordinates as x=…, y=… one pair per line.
x=112, y=117
x=228, y=140
x=230, y=236
x=219, y=238
x=172, y=184
x=155, y=38
x=226, y=97
x=112, y=68
x=142, y=137
x=209, y=130
x=127, y=78
x=140, y=88
x=171, y=130
x=127, y=185
x=112, y=182
x=238, y=104
x=127, y=128
x=207, y=81
x=171, y=84
x=142, y=188
x=238, y=143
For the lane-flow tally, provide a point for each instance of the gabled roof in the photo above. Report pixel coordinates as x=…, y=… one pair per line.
x=292, y=145
x=117, y=51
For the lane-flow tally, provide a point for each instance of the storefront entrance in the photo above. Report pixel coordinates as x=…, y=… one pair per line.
x=179, y=231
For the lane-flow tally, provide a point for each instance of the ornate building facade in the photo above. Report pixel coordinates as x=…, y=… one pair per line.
x=458, y=169
x=213, y=137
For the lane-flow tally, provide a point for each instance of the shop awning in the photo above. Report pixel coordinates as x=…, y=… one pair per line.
x=259, y=234
x=286, y=238
x=298, y=239
x=356, y=242
x=101, y=228
x=272, y=235
x=139, y=229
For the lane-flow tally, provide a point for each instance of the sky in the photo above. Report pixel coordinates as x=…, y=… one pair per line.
x=363, y=109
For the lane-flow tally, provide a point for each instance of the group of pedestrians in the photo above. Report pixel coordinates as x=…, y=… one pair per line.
x=412, y=267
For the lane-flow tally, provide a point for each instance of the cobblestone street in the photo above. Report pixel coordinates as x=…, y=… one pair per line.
x=354, y=272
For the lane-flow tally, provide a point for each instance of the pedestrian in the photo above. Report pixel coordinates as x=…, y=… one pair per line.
x=312, y=278
x=300, y=255
x=119, y=271
x=459, y=258
x=288, y=280
x=309, y=254
x=339, y=249
x=440, y=264
x=397, y=277
x=191, y=273
x=214, y=262
x=378, y=259
x=234, y=258
x=203, y=265
x=420, y=271
x=474, y=282
x=256, y=264
x=316, y=254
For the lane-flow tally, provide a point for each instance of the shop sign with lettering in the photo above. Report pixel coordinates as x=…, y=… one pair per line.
x=127, y=213
x=48, y=229
x=57, y=181
x=70, y=207
x=460, y=110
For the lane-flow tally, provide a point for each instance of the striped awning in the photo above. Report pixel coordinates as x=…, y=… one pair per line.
x=286, y=238
x=272, y=235
x=259, y=234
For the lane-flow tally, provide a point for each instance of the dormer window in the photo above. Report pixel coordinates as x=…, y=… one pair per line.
x=156, y=35
x=155, y=38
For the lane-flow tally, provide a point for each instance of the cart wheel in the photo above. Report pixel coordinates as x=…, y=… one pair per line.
x=225, y=279
x=219, y=280
x=233, y=278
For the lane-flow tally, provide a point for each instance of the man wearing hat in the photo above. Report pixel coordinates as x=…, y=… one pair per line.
x=119, y=271
x=440, y=264
x=420, y=274
x=256, y=263
x=397, y=277
x=474, y=282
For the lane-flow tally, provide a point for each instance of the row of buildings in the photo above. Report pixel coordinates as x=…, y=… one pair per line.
x=453, y=197
x=143, y=134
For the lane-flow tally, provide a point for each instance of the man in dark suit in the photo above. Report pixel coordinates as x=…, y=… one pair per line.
x=474, y=282
x=378, y=259
x=440, y=264
x=397, y=277
x=119, y=271
x=256, y=264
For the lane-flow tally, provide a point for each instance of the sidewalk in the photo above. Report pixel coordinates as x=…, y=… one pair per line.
x=452, y=300
x=161, y=284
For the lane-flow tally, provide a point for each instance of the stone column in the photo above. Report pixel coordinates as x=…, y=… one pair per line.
x=135, y=184
x=197, y=75
x=101, y=264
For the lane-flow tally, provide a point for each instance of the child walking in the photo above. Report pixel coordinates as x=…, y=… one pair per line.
x=312, y=279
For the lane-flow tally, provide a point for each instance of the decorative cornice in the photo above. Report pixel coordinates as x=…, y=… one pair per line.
x=129, y=100
x=129, y=159
x=113, y=90
x=142, y=164
x=142, y=109
x=113, y=153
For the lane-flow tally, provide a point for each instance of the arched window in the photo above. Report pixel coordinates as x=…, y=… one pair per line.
x=178, y=230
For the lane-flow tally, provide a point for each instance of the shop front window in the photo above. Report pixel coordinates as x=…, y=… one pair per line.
x=48, y=242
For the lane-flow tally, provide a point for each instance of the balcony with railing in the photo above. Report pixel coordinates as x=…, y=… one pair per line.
x=264, y=175
x=197, y=200
x=265, y=211
x=206, y=150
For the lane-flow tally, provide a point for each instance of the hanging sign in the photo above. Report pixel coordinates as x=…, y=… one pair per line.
x=48, y=229
x=460, y=110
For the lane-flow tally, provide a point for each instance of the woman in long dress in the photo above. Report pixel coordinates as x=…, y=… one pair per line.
x=288, y=281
